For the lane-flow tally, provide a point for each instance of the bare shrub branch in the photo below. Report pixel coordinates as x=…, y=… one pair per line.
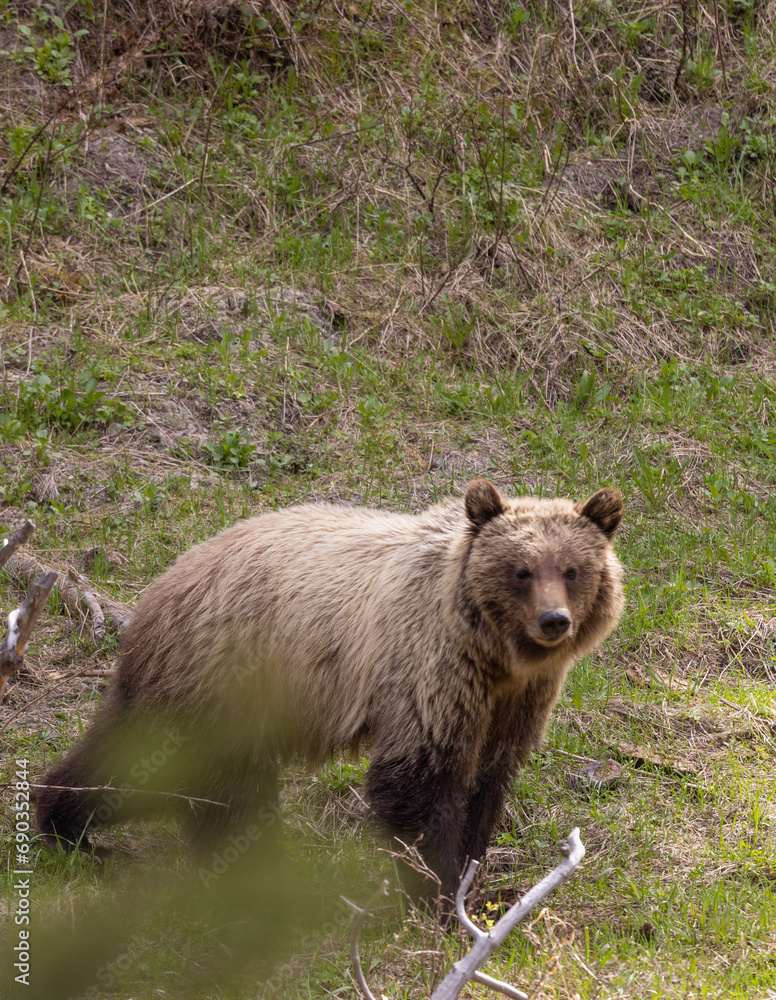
x=361, y=914
x=20, y=625
x=485, y=943
x=17, y=539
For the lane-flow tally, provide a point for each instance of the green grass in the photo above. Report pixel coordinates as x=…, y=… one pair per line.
x=363, y=254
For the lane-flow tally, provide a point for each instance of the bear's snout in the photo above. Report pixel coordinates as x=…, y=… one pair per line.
x=555, y=624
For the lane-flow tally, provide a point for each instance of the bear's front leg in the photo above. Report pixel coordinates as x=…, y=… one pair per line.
x=486, y=806
x=516, y=729
x=423, y=803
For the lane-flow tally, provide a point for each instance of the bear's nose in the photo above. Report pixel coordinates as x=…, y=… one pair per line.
x=555, y=624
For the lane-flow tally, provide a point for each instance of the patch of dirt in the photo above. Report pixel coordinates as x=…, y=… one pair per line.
x=692, y=128
x=208, y=312
x=625, y=181
x=170, y=421
x=605, y=181
x=119, y=167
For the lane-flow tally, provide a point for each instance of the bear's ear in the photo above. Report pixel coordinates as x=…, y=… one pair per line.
x=604, y=509
x=483, y=502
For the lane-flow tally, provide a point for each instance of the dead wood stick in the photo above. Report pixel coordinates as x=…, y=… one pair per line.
x=126, y=790
x=91, y=602
x=74, y=591
x=19, y=537
x=486, y=942
x=20, y=625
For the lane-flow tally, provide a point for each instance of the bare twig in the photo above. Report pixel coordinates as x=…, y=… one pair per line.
x=92, y=605
x=102, y=52
x=43, y=178
x=18, y=162
x=499, y=986
x=573, y=35
x=164, y=197
x=336, y=135
x=126, y=791
x=719, y=45
x=361, y=915
x=446, y=278
x=20, y=625
x=18, y=538
x=206, y=153
x=686, y=41
x=485, y=942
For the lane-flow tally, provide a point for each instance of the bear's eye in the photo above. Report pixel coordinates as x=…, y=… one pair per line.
x=523, y=574
x=570, y=574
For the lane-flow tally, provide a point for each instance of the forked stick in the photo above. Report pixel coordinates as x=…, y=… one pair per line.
x=485, y=942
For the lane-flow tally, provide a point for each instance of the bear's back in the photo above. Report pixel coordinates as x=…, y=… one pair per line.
x=286, y=599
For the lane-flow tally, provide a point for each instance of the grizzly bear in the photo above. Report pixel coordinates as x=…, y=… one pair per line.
x=441, y=639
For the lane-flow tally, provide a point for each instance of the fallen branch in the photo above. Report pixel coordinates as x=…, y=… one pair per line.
x=485, y=943
x=76, y=593
x=20, y=625
x=92, y=605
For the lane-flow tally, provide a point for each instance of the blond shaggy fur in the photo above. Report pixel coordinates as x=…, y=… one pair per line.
x=441, y=639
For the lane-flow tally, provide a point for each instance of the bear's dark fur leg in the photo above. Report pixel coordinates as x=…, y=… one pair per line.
x=419, y=803
x=65, y=816
x=485, y=807
x=514, y=732
x=247, y=785
x=128, y=757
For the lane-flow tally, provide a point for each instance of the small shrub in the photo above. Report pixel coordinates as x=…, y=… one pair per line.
x=232, y=450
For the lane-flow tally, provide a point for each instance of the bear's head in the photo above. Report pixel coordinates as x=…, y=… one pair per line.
x=543, y=573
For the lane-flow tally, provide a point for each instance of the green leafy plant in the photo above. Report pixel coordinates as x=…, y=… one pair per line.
x=701, y=71
x=75, y=405
x=232, y=450
x=53, y=56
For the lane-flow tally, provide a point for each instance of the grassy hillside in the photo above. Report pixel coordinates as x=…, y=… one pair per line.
x=253, y=254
